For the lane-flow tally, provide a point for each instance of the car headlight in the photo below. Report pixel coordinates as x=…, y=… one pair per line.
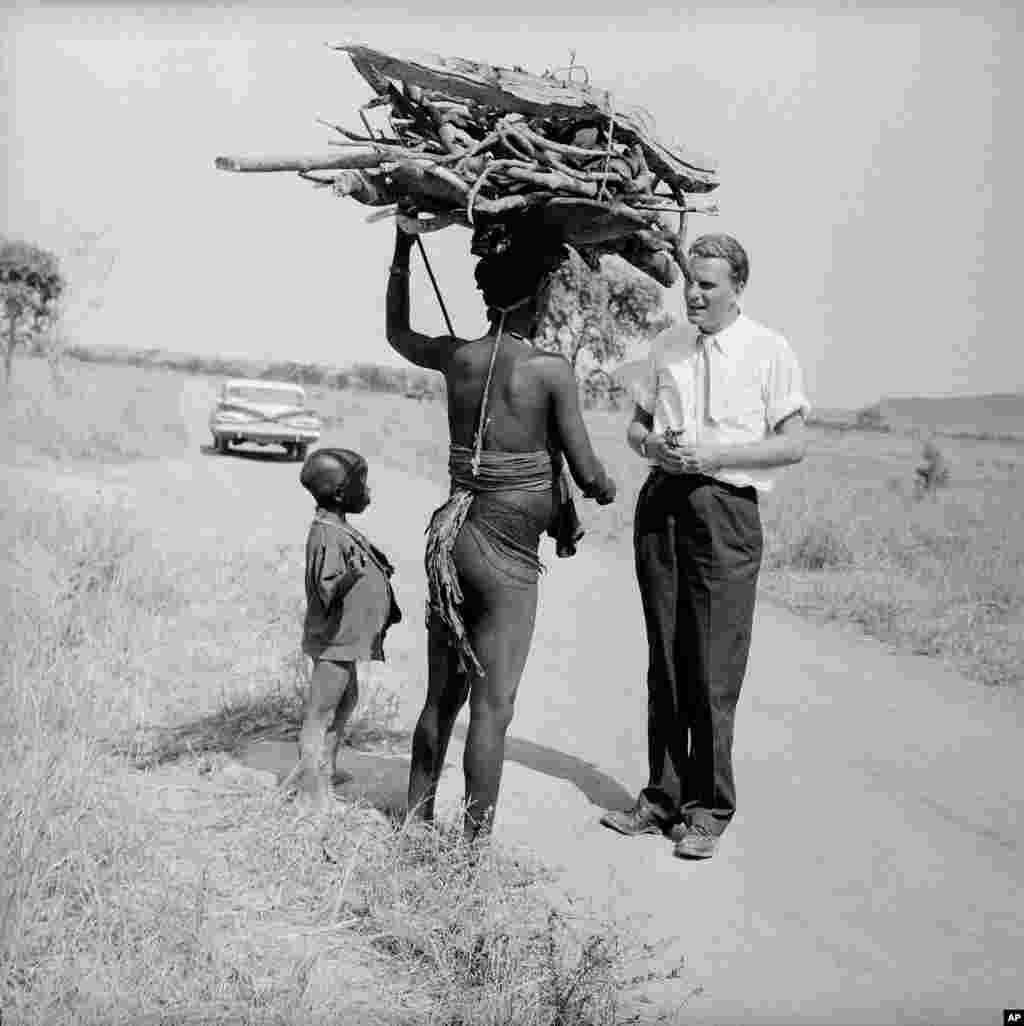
x=306, y=423
x=231, y=417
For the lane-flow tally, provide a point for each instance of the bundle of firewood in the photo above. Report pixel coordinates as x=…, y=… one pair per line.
x=470, y=144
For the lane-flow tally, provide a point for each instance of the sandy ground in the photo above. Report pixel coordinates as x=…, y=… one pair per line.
x=873, y=872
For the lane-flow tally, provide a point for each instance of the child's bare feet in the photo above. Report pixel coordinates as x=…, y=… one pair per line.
x=311, y=787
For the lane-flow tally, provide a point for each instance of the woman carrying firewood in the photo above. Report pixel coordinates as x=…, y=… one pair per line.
x=513, y=411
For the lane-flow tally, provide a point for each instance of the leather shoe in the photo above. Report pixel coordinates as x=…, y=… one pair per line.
x=643, y=818
x=682, y=824
x=679, y=831
x=696, y=843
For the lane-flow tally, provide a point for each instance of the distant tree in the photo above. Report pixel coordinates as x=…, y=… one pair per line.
x=593, y=313
x=634, y=300
x=31, y=285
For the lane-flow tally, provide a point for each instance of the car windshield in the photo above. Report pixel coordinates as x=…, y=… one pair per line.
x=265, y=394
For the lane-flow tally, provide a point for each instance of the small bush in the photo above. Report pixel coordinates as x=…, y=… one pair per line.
x=815, y=546
x=933, y=471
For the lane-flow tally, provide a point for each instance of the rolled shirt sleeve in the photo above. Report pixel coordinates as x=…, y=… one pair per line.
x=784, y=387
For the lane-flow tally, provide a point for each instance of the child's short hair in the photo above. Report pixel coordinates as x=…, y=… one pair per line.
x=320, y=473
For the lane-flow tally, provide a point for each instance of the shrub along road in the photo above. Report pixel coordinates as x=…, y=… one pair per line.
x=873, y=873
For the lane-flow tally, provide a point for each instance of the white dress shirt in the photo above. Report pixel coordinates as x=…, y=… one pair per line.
x=730, y=388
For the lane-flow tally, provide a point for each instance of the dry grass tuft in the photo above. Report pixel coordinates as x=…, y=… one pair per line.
x=814, y=545
x=481, y=933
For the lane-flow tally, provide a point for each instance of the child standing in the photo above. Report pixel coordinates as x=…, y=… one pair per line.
x=349, y=607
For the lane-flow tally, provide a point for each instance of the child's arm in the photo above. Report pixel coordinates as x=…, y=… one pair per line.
x=336, y=572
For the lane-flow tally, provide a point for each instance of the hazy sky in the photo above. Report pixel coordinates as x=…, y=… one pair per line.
x=868, y=159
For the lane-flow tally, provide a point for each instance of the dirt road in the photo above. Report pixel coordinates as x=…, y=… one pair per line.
x=873, y=872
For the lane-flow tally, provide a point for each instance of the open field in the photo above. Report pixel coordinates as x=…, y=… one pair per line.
x=993, y=416
x=91, y=413
x=147, y=875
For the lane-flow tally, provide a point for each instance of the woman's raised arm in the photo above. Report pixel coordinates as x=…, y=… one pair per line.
x=421, y=350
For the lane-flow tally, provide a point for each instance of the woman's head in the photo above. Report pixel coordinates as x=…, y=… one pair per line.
x=516, y=261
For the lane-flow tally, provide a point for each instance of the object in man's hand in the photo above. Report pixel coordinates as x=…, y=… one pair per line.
x=673, y=437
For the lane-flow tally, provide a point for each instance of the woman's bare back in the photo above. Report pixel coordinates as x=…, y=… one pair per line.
x=519, y=402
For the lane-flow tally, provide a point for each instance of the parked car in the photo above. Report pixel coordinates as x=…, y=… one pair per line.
x=264, y=412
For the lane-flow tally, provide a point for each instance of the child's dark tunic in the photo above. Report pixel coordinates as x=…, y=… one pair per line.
x=350, y=627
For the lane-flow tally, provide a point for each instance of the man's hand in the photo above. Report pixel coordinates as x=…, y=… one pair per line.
x=698, y=459
x=684, y=459
x=664, y=453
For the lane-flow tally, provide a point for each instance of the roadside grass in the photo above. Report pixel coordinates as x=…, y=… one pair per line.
x=140, y=881
x=481, y=927
x=941, y=576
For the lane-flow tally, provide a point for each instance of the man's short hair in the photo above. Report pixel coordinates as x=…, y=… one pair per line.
x=326, y=469
x=726, y=248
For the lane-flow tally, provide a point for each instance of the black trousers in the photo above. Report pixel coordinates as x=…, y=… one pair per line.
x=698, y=546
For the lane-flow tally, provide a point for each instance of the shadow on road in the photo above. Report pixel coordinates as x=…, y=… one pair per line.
x=381, y=779
x=599, y=788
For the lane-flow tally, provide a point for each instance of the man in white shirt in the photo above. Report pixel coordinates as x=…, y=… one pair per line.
x=721, y=405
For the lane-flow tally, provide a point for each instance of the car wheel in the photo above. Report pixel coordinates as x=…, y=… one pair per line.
x=220, y=444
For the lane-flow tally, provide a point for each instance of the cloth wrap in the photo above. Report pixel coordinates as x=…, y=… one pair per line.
x=493, y=472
